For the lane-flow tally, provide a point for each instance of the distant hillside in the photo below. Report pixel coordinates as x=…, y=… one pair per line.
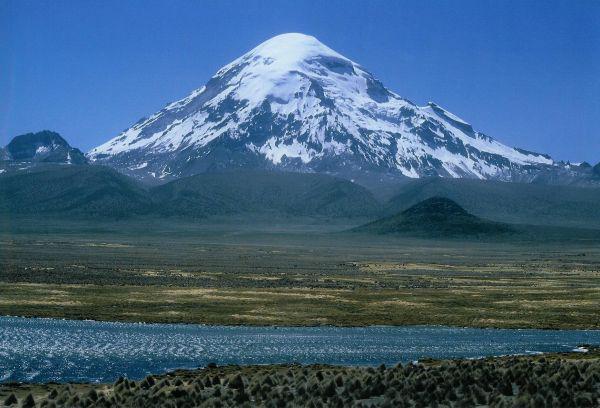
x=100, y=191
x=92, y=190
x=264, y=192
x=436, y=217
x=507, y=202
x=71, y=190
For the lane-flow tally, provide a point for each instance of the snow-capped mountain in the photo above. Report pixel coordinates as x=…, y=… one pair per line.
x=293, y=103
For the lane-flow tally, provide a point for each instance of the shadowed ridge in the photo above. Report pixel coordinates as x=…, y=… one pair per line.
x=596, y=170
x=84, y=190
x=76, y=190
x=293, y=194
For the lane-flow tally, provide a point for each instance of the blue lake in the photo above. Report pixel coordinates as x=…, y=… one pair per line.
x=41, y=350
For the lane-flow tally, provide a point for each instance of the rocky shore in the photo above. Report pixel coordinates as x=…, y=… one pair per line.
x=553, y=380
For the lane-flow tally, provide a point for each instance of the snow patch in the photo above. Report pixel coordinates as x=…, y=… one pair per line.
x=139, y=166
x=42, y=150
x=276, y=151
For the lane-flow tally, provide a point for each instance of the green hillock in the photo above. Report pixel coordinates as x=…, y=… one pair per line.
x=435, y=217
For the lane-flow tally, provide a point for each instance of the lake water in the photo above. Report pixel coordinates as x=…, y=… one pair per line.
x=41, y=350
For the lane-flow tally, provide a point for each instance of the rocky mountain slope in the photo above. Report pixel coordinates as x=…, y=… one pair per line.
x=41, y=147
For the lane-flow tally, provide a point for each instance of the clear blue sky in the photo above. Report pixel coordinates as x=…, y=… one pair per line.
x=524, y=72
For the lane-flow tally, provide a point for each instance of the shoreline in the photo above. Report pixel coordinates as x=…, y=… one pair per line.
x=494, y=381
x=340, y=326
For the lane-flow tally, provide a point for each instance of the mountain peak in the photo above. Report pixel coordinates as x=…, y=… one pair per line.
x=45, y=146
x=293, y=47
x=283, y=67
x=290, y=41
x=291, y=38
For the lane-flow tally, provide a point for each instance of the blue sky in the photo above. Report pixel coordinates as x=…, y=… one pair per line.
x=526, y=72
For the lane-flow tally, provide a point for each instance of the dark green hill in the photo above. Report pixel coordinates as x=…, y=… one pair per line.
x=507, y=202
x=294, y=194
x=71, y=190
x=436, y=217
x=84, y=190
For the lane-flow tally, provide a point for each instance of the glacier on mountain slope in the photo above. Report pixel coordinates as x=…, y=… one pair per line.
x=294, y=103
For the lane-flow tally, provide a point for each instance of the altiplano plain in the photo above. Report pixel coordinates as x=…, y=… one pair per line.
x=304, y=274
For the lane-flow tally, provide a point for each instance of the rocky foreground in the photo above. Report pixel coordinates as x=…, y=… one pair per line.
x=556, y=380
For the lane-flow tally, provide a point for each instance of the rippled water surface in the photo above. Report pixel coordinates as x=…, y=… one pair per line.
x=41, y=350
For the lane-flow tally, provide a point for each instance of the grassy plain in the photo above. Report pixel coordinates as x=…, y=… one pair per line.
x=278, y=273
